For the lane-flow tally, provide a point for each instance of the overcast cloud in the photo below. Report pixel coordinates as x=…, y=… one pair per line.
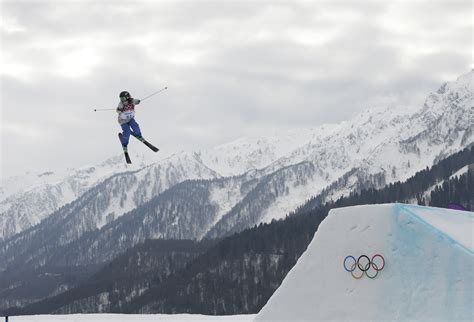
x=233, y=68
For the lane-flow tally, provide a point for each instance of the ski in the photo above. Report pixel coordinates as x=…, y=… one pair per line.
x=148, y=144
x=125, y=150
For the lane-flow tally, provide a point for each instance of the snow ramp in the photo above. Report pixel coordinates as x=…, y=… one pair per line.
x=426, y=272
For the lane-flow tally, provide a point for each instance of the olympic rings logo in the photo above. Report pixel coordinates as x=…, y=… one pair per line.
x=367, y=266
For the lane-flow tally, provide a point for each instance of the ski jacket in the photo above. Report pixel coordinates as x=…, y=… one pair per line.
x=126, y=111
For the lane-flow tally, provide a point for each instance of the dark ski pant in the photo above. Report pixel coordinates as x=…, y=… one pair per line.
x=126, y=127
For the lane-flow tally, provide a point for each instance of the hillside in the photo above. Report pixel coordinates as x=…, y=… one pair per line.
x=252, y=263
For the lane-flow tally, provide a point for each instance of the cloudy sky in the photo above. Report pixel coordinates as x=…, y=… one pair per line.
x=233, y=69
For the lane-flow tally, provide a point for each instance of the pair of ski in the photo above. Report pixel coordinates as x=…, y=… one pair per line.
x=139, y=138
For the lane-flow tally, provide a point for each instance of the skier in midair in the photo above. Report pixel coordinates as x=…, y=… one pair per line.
x=126, y=119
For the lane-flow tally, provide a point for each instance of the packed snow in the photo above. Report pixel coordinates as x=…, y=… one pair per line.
x=428, y=272
x=130, y=318
x=458, y=226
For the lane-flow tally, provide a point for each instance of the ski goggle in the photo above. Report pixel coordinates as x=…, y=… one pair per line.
x=124, y=98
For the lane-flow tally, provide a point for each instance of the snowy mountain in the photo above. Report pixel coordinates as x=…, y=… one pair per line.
x=26, y=200
x=386, y=145
x=257, y=258
x=102, y=204
x=248, y=181
x=246, y=154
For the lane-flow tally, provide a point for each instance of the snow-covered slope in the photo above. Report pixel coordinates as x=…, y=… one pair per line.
x=428, y=272
x=87, y=175
x=100, y=205
x=463, y=171
x=246, y=154
x=28, y=199
x=132, y=318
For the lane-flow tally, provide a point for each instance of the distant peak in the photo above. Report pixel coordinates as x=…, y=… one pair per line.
x=464, y=80
x=44, y=174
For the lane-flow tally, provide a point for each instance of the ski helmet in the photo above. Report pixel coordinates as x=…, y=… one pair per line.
x=124, y=96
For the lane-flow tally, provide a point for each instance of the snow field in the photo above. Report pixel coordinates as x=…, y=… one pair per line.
x=129, y=318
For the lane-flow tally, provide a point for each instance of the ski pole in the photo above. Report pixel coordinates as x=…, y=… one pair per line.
x=113, y=109
x=161, y=90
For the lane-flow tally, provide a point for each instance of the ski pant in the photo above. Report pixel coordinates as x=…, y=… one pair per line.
x=126, y=127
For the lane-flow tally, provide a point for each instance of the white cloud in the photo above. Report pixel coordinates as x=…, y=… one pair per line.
x=24, y=132
x=10, y=25
x=77, y=62
x=232, y=67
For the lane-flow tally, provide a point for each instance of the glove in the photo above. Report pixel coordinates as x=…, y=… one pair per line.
x=138, y=101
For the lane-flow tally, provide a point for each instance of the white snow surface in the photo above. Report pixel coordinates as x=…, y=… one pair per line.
x=428, y=273
x=87, y=175
x=296, y=196
x=251, y=153
x=460, y=172
x=458, y=225
x=26, y=200
x=129, y=318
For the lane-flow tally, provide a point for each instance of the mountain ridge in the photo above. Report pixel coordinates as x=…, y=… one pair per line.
x=380, y=148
